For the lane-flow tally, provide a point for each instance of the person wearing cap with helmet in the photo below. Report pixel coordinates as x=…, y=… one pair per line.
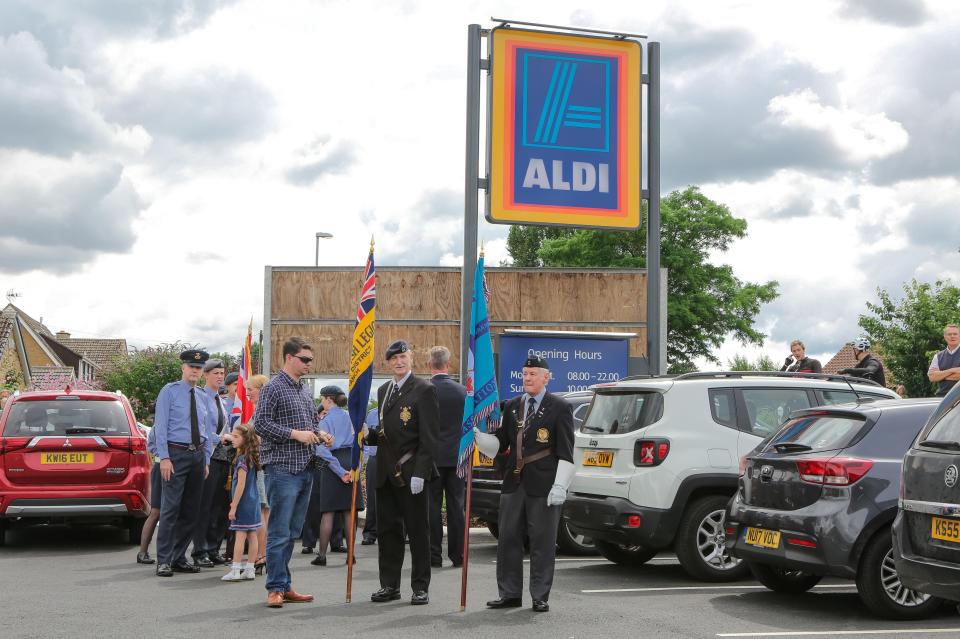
x=537, y=429
x=184, y=445
x=212, y=522
x=868, y=366
x=407, y=442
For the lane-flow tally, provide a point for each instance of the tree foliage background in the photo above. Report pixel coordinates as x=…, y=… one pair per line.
x=706, y=302
x=743, y=363
x=141, y=376
x=908, y=331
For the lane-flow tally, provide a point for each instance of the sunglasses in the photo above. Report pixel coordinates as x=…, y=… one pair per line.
x=304, y=358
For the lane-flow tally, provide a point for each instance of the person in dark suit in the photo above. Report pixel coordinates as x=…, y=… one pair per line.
x=406, y=444
x=537, y=429
x=451, y=396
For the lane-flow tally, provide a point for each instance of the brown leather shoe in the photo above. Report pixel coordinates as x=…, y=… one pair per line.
x=292, y=596
x=275, y=600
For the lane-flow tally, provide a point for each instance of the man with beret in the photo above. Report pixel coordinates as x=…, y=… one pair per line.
x=184, y=445
x=406, y=441
x=537, y=429
x=212, y=520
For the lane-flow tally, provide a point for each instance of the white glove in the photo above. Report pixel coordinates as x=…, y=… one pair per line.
x=416, y=485
x=557, y=495
x=488, y=444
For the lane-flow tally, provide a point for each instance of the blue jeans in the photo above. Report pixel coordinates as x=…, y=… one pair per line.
x=288, y=495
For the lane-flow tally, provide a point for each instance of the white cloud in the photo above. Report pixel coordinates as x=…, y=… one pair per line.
x=861, y=136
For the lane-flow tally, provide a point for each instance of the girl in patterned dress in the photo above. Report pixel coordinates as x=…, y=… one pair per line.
x=245, y=502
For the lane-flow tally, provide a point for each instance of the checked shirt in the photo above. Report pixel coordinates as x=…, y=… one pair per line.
x=284, y=406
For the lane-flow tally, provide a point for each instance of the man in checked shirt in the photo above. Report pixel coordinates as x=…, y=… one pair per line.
x=286, y=421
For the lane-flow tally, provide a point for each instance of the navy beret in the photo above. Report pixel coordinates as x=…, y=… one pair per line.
x=231, y=378
x=331, y=391
x=398, y=346
x=212, y=364
x=536, y=362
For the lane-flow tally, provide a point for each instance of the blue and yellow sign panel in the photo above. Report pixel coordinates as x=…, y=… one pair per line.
x=564, y=130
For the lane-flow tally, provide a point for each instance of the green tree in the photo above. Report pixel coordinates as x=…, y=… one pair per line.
x=909, y=331
x=705, y=301
x=141, y=376
x=229, y=361
x=743, y=363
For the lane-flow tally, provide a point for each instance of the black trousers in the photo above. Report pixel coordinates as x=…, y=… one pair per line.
x=370, y=523
x=212, y=522
x=398, y=509
x=455, y=489
x=179, y=505
x=311, y=525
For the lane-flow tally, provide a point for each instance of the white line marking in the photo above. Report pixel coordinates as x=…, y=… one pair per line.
x=834, y=633
x=668, y=588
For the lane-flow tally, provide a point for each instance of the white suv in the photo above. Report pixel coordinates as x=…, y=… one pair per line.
x=657, y=459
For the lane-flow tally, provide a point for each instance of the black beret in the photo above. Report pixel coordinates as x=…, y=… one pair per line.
x=231, y=378
x=535, y=361
x=398, y=346
x=212, y=364
x=331, y=391
x=194, y=357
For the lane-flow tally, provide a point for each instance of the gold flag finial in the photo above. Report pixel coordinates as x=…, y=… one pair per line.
x=371, y=243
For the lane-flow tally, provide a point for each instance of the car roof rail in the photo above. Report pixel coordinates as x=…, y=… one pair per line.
x=631, y=378
x=741, y=374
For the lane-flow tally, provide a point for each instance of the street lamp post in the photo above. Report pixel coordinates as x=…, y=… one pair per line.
x=321, y=235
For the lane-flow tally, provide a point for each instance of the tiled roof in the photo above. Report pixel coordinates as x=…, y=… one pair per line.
x=32, y=323
x=99, y=352
x=845, y=359
x=6, y=325
x=51, y=377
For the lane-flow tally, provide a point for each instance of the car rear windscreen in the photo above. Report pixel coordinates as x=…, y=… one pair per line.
x=819, y=432
x=616, y=413
x=946, y=429
x=66, y=417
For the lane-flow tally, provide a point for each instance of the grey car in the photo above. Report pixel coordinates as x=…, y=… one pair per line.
x=926, y=533
x=819, y=497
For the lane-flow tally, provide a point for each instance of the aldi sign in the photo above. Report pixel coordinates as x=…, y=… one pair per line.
x=565, y=130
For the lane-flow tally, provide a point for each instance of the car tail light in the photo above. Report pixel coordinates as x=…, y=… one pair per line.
x=803, y=543
x=650, y=452
x=839, y=471
x=743, y=465
x=138, y=445
x=120, y=443
x=634, y=521
x=9, y=444
x=136, y=502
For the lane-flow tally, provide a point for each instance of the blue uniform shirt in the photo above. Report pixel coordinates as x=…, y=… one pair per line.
x=228, y=405
x=172, y=420
x=213, y=400
x=373, y=420
x=337, y=423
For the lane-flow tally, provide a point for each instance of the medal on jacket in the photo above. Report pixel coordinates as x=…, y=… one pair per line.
x=405, y=414
x=543, y=435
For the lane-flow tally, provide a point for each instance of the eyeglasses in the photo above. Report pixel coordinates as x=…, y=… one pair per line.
x=304, y=358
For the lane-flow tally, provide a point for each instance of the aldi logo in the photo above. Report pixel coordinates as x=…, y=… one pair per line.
x=565, y=130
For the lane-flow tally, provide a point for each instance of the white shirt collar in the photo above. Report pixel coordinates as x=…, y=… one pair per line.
x=403, y=380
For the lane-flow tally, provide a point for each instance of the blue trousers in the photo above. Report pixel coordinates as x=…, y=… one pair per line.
x=288, y=495
x=180, y=505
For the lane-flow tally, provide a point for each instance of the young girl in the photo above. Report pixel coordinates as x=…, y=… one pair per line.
x=245, y=505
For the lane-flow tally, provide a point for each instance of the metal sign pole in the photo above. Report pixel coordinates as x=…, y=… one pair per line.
x=470, y=194
x=655, y=340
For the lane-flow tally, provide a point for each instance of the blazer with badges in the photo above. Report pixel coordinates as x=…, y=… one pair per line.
x=409, y=423
x=550, y=427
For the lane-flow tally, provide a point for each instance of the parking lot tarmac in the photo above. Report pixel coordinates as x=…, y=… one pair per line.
x=83, y=582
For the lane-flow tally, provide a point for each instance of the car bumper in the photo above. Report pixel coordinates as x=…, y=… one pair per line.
x=605, y=518
x=73, y=505
x=932, y=576
x=808, y=539
x=485, y=500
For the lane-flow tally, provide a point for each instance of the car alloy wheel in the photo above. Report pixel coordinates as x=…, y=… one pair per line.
x=894, y=589
x=711, y=542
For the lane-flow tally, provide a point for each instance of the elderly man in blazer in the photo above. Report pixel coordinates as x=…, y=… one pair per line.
x=537, y=429
x=407, y=443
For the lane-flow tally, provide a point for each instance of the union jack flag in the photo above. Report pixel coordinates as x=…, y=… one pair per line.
x=362, y=355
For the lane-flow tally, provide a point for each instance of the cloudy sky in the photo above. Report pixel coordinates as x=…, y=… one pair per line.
x=156, y=154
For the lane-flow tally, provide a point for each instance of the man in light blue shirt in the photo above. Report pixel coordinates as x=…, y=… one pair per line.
x=184, y=444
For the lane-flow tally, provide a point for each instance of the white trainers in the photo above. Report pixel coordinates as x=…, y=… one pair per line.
x=235, y=574
x=249, y=572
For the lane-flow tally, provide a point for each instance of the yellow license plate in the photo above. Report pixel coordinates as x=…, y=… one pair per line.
x=68, y=459
x=602, y=458
x=762, y=538
x=479, y=459
x=945, y=529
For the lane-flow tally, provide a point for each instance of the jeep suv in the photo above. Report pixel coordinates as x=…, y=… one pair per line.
x=72, y=456
x=658, y=459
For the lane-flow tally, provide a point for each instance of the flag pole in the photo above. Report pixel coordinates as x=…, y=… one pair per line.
x=351, y=543
x=466, y=539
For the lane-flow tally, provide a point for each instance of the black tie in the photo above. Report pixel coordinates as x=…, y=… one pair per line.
x=219, y=415
x=194, y=420
x=527, y=416
x=394, y=391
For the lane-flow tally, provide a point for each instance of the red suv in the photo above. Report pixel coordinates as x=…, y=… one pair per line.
x=74, y=456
